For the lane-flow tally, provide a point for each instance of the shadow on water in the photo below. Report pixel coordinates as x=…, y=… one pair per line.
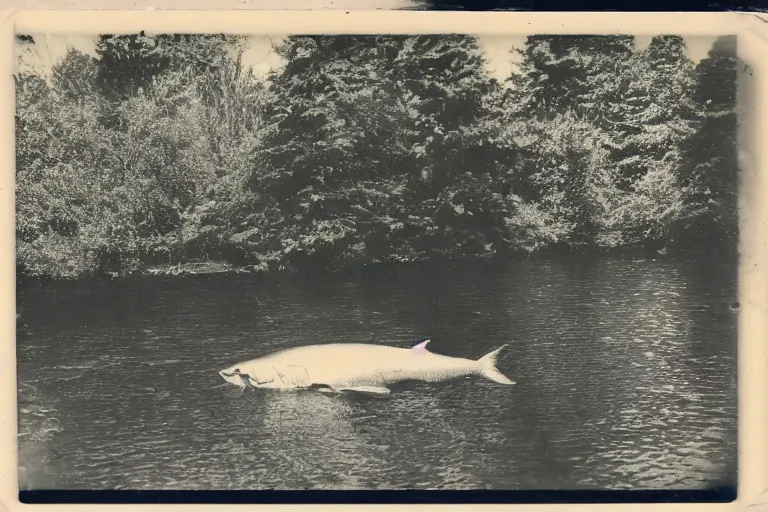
x=625, y=376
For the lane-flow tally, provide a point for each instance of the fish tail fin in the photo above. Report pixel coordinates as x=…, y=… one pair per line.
x=488, y=367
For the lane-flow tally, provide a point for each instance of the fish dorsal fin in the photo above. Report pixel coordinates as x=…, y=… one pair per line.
x=421, y=347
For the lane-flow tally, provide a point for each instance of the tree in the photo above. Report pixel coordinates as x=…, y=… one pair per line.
x=128, y=63
x=372, y=149
x=570, y=73
x=454, y=155
x=710, y=177
x=563, y=104
x=659, y=117
x=308, y=149
x=62, y=172
x=386, y=149
x=75, y=77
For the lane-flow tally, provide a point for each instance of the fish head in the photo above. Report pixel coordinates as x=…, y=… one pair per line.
x=234, y=375
x=255, y=374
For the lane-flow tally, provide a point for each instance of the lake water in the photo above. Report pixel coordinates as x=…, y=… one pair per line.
x=625, y=371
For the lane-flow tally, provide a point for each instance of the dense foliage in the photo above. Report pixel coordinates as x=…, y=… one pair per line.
x=371, y=149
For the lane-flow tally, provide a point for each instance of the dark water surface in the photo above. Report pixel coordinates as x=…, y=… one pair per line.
x=625, y=371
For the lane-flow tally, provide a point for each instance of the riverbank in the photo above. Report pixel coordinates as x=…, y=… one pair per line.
x=200, y=268
x=361, y=269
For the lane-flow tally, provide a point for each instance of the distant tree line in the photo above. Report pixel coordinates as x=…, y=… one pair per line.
x=371, y=149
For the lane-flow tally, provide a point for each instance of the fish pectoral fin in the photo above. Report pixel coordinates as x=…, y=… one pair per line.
x=255, y=383
x=368, y=390
x=293, y=375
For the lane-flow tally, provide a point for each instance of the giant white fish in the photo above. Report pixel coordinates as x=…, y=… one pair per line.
x=357, y=367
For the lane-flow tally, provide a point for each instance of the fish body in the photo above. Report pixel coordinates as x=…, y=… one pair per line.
x=357, y=367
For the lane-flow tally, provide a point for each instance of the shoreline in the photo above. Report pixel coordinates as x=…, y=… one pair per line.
x=214, y=267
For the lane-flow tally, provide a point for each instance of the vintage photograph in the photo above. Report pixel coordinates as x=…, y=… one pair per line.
x=372, y=262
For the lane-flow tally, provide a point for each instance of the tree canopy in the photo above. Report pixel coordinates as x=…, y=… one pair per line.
x=371, y=149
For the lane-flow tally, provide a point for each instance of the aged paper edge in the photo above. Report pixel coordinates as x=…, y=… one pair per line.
x=335, y=18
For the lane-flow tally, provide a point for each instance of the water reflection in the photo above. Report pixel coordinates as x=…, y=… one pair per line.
x=325, y=437
x=665, y=397
x=625, y=377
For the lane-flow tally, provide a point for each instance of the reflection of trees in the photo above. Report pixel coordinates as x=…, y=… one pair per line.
x=619, y=374
x=645, y=322
x=308, y=439
x=317, y=441
x=549, y=304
